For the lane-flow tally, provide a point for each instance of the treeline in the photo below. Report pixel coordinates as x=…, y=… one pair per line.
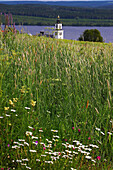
x=51, y=11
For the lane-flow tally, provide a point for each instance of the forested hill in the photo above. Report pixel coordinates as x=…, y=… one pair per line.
x=44, y=14
x=89, y=4
x=51, y=11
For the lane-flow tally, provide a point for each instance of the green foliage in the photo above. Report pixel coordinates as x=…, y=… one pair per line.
x=91, y=35
x=63, y=85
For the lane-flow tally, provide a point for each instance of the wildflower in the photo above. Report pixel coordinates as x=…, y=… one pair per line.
x=9, y=124
x=93, y=160
x=43, y=155
x=73, y=169
x=26, y=143
x=36, y=142
x=102, y=133
x=14, y=147
x=33, y=103
x=79, y=130
x=65, y=140
x=87, y=149
x=20, y=144
x=75, y=152
x=109, y=133
x=8, y=145
x=21, y=140
x=73, y=128
x=11, y=103
x=44, y=148
x=32, y=150
x=15, y=99
x=6, y=108
x=12, y=110
x=54, y=130
x=75, y=141
x=22, y=89
x=98, y=157
x=56, y=136
x=7, y=115
x=23, y=164
x=94, y=146
x=49, y=162
x=89, y=138
x=40, y=130
x=48, y=111
x=30, y=127
x=18, y=161
x=88, y=157
x=38, y=160
x=1, y=117
x=34, y=137
x=27, y=108
x=97, y=129
x=68, y=151
x=25, y=159
x=15, y=142
x=28, y=133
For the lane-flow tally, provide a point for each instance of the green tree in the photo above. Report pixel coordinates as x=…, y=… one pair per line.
x=91, y=35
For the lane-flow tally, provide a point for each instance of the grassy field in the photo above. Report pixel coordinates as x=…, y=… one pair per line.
x=56, y=103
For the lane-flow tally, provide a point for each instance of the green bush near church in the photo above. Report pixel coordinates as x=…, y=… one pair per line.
x=91, y=35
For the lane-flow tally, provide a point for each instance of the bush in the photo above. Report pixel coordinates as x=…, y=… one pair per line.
x=91, y=35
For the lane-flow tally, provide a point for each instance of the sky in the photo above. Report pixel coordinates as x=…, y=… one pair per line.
x=56, y=0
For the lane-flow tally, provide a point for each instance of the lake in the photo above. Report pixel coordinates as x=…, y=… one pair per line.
x=72, y=32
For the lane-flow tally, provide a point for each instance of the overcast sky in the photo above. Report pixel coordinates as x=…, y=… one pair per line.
x=56, y=0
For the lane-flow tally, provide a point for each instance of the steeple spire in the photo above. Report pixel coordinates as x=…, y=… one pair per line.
x=58, y=19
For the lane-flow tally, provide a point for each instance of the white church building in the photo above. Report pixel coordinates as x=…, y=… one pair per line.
x=57, y=32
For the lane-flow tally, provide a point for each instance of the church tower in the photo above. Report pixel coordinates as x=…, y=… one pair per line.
x=59, y=33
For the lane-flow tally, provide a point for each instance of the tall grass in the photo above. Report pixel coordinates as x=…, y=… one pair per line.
x=56, y=103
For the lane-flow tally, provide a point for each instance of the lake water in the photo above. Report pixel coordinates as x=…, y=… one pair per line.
x=72, y=32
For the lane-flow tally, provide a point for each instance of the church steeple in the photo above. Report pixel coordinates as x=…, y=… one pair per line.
x=58, y=19
x=59, y=33
x=58, y=24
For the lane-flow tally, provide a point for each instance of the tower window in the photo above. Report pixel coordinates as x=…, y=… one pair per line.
x=60, y=33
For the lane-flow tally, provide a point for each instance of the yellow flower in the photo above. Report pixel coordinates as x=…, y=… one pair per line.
x=22, y=89
x=9, y=124
x=10, y=102
x=33, y=103
x=6, y=108
x=15, y=99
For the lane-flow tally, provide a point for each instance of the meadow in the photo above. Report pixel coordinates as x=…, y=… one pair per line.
x=56, y=103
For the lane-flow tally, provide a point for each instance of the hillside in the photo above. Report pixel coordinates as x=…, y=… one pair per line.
x=56, y=103
x=43, y=14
